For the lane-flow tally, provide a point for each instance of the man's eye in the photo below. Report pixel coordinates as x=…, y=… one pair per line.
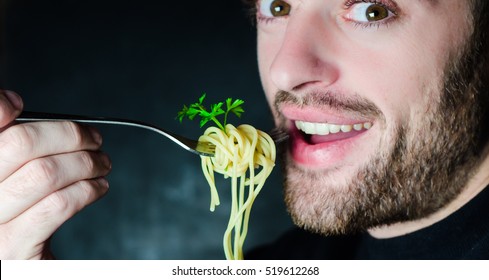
x=368, y=12
x=274, y=8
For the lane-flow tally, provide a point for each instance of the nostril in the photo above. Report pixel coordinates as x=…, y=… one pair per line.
x=304, y=85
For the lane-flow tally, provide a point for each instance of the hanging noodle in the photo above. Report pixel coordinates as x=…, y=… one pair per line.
x=240, y=153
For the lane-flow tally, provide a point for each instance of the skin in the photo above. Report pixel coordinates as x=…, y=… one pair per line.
x=320, y=64
x=44, y=180
x=316, y=65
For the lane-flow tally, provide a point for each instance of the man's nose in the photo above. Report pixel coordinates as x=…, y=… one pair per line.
x=305, y=57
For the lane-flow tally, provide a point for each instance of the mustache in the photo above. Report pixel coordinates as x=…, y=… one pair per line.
x=353, y=104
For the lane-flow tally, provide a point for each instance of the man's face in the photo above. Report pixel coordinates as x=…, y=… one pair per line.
x=367, y=91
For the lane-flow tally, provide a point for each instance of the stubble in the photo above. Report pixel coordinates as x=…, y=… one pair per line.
x=422, y=168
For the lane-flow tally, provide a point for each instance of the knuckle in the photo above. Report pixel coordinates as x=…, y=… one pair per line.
x=18, y=140
x=87, y=161
x=68, y=201
x=43, y=170
x=86, y=190
x=56, y=203
x=75, y=132
x=14, y=192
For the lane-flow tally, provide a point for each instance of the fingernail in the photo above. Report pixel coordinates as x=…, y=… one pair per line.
x=96, y=136
x=15, y=99
x=103, y=182
x=106, y=161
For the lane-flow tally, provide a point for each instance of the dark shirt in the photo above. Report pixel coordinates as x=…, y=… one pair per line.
x=462, y=235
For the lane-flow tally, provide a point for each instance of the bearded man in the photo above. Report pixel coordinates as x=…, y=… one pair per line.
x=386, y=104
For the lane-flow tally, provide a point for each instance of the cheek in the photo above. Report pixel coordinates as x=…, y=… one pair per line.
x=267, y=50
x=402, y=77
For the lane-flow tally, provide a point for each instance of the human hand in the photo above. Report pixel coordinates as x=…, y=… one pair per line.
x=48, y=172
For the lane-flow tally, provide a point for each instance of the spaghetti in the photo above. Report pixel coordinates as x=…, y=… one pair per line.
x=247, y=156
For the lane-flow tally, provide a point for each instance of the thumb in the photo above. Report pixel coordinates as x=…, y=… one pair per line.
x=10, y=106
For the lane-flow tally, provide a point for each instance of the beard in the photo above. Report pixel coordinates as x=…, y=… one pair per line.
x=423, y=167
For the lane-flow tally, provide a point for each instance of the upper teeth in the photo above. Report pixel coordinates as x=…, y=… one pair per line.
x=327, y=128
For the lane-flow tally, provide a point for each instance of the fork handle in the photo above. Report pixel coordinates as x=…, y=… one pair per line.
x=28, y=116
x=43, y=116
x=187, y=144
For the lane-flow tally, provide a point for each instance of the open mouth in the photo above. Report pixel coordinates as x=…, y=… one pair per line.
x=324, y=138
x=327, y=145
x=318, y=133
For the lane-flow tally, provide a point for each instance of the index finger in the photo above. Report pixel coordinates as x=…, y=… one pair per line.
x=22, y=143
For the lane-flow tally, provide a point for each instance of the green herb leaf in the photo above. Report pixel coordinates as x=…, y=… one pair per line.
x=192, y=113
x=201, y=99
x=236, y=108
x=216, y=109
x=183, y=113
x=198, y=109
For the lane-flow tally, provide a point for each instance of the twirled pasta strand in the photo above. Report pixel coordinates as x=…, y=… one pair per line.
x=240, y=151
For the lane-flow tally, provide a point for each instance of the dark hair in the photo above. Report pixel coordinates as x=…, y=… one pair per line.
x=476, y=70
x=480, y=13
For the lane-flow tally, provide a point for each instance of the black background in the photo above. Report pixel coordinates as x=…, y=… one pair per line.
x=142, y=60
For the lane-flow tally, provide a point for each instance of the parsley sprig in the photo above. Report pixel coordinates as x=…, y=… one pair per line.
x=198, y=109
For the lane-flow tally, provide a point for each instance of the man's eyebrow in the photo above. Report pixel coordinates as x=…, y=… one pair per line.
x=250, y=6
x=249, y=2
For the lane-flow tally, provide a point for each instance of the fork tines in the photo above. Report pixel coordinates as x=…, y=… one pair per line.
x=205, y=148
x=278, y=135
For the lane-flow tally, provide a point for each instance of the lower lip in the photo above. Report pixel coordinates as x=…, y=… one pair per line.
x=320, y=155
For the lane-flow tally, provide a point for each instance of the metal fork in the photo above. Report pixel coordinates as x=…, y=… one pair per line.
x=278, y=135
x=194, y=146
